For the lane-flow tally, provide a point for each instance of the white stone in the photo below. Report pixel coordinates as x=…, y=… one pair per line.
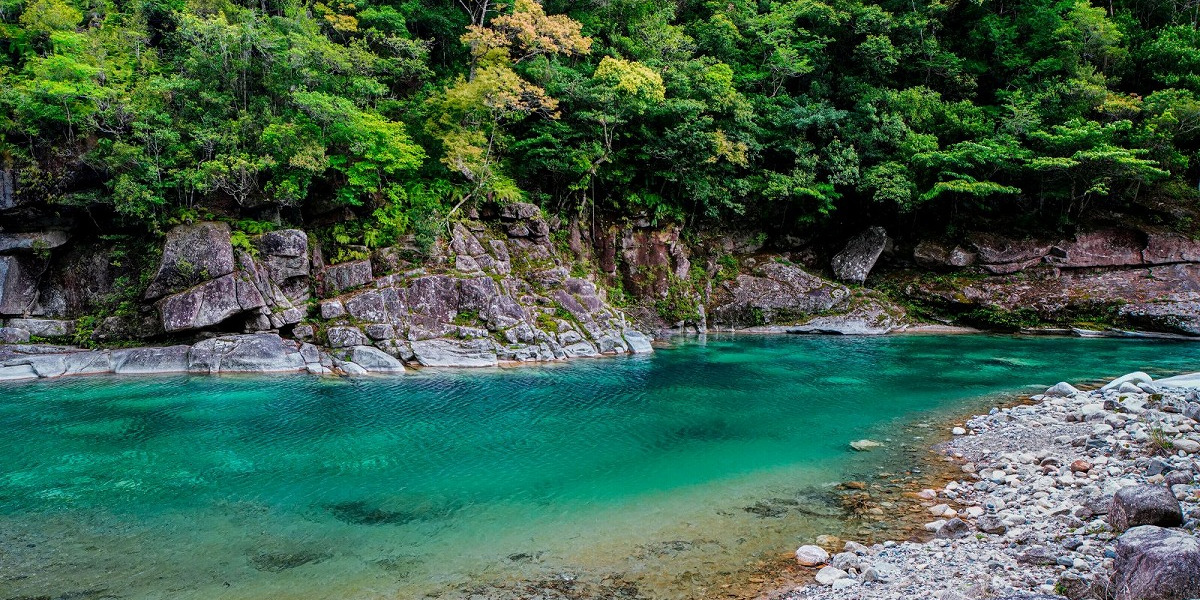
x=828, y=575
x=811, y=556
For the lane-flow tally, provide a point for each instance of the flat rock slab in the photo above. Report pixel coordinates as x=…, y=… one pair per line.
x=453, y=353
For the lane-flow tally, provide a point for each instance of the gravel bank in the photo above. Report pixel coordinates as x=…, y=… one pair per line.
x=1034, y=514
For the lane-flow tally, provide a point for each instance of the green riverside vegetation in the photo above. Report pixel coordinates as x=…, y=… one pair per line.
x=396, y=115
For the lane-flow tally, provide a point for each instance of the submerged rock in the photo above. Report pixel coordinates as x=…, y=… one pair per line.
x=865, y=445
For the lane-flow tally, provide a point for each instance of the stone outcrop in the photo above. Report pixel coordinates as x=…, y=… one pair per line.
x=247, y=353
x=1162, y=298
x=856, y=260
x=1153, y=563
x=38, y=241
x=192, y=254
x=866, y=315
x=503, y=295
x=775, y=292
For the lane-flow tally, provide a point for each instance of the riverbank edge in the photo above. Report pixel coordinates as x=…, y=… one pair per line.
x=1028, y=516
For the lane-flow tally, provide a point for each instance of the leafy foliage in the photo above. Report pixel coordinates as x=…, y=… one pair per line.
x=389, y=116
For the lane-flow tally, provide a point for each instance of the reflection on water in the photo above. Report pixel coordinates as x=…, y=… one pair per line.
x=656, y=477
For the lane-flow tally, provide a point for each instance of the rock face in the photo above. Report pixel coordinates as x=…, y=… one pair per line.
x=192, y=255
x=1138, y=278
x=775, y=292
x=856, y=260
x=19, y=283
x=498, y=297
x=1144, y=505
x=1153, y=563
x=209, y=303
x=867, y=315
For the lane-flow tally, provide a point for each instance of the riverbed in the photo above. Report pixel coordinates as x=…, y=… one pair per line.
x=673, y=475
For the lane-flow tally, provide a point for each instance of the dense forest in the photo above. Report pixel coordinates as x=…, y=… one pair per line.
x=381, y=118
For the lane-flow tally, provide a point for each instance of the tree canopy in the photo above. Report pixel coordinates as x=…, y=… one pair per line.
x=781, y=114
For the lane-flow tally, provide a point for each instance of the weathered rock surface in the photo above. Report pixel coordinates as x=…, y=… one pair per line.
x=210, y=303
x=192, y=254
x=253, y=353
x=44, y=328
x=344, y=276
x=856, y=260
x=866, y=316
x=452, y=353
x=1153, y=563
x=776, y=292
x=19, y=283
x=1144, y=505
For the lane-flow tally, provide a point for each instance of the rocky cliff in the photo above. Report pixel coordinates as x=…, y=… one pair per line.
x=495, y=290
x=506, y=286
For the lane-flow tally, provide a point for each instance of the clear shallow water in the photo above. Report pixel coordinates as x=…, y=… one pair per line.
x=638, y=468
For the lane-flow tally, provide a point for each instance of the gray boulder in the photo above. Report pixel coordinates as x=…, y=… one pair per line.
x=953, y=529
x=254, y=353
x=345, y=337
x=1061, y=389
x=44, y=328
x=856, y=260
x=209, y=303
x=13, y=335
x=284, y=253
x=374, y=360
x=776, y=292
x=192, y=255
x=455, y=353
x=638, y=342
x=340, y=277
x=1153, y=563
x=1144, y=505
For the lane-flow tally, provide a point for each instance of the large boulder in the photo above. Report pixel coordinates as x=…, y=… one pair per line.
x=1153, y=563
x=44, y=328
x=344, y=276
x=284, y=253
x=856, y=260
x=209, y=303
x=866, y=316
x=254, y=353
x=1138, y=505
x=192, y=255
x=777, y=292
x=133, y=361
x=374, y=360
x=455, y=353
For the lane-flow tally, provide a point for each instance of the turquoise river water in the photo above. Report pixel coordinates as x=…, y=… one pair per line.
x=642, y=474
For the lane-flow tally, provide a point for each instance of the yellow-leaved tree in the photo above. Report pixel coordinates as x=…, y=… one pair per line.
x=471, y=113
